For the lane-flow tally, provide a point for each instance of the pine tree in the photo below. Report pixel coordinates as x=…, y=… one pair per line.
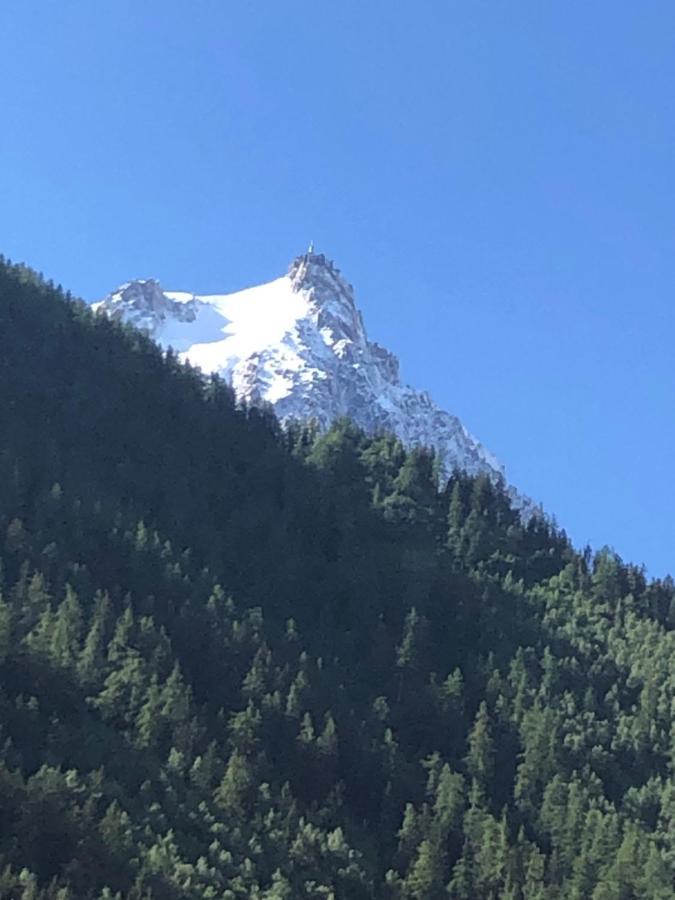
x=327, y=741
x=67, y=629
x=150, y=720
x=5, y=630
x=425, y=879
x=480, y=758
x=235, y=785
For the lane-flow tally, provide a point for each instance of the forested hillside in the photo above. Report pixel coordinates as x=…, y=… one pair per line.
x=238, y=661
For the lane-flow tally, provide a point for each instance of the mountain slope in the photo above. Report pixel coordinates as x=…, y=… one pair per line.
x=299, y=344
x=248, y=663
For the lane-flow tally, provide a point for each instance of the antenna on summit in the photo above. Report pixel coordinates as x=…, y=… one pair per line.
x=310, y=249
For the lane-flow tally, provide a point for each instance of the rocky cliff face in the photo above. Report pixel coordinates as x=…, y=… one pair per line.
x=299, y=343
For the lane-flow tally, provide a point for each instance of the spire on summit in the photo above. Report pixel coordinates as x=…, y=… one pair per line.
x=312, y=269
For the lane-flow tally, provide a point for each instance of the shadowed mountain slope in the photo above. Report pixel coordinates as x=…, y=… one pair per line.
x=241, y=661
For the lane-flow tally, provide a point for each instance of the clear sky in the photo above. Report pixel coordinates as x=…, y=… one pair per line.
x=497, y=179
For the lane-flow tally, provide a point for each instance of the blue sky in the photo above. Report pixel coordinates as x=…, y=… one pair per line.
x=496, y=179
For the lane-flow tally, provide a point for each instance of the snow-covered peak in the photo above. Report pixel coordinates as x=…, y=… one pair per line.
x=144, y=304
x=299, y=343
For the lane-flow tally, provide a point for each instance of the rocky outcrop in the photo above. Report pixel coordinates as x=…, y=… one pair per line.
x=143, y=303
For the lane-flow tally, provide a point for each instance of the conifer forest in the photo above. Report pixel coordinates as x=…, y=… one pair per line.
x=240, y=660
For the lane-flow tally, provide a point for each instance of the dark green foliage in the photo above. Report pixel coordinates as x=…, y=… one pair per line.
x=244, y=662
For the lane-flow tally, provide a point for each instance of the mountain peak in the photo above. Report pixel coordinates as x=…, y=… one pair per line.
x=299, y=344
x=330, y=294
x=316, y=270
